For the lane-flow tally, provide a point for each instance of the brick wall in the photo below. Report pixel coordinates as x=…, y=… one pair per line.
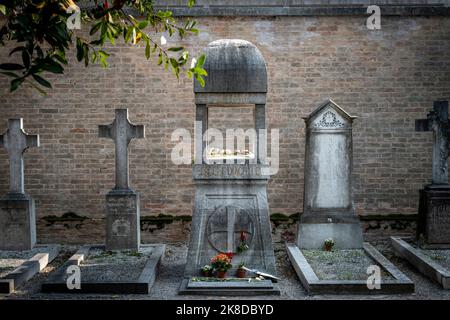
x=387, y=78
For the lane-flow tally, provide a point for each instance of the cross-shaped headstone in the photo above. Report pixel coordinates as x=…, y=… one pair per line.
x=16, y=141
x=437, y=121
x=121, y=131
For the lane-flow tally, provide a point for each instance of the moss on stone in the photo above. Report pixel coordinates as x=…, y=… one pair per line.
x=65, y=219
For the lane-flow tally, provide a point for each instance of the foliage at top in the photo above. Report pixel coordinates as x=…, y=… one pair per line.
x=45, y=29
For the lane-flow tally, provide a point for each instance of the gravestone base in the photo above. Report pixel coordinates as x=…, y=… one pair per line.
x=122, y=220
x=434, y=216
x=229, y=288
x=345, y=235
x=229, y=200
x=17, y=222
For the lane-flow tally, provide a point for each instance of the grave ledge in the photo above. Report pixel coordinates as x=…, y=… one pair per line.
x=28, y=269
x=229, y=288
x=313, y=285
x=424, y=264
x=57, y=282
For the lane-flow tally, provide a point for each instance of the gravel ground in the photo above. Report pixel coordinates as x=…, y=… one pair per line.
x=171, y=274
x=104, y=265
x=440, y=256
x=9, y=260
x=341, y=264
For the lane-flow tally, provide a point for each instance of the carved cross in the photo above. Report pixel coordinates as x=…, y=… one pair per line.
x=437, y=121
x=15, y=140
x=121, y=131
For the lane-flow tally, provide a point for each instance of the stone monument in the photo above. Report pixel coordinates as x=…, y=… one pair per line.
x=122, y=203
x=328, y=210
x=17, y=211
x=231, y=197
x=434, y=203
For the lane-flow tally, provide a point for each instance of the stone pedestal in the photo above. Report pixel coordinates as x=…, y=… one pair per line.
x=122, y=220
x=17, y=222
x=434, y=215
x=230, y=200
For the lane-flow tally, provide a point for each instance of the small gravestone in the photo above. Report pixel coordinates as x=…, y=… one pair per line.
x=231, y=207
x=328, y=210
x=17, y=211
x=434, y=203
x=122, y=203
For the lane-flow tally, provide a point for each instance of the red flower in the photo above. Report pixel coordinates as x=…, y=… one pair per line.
x=229, y=255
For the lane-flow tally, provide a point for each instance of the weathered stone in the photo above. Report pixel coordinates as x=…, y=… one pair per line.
x=434, y=203
x=122, y=220
x=122, y=203
x=328, y=210
x=17, y=210
x=121, y=131
x=233, y=66
x=437, y=121
x=434, y=215
x=231, y=209
x=17, y=223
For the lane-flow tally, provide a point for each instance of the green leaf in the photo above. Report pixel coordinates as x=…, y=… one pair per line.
x=200, y=61
x=53, y=66
x=200, y=71
x=80, y=51
x=9, y=74
x=15, y=84
x=42, y=81
x=147, y=49
x=11, y=66
x=160, y=58
x=200, y=80
x=16, y=49
x=26, y=59
x=191, y=3
x=96, y=27
x=175, y=49
x=3, y=9
x=143, y=24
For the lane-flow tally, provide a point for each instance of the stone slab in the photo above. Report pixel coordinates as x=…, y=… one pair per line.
x=17, y=223
x=255, y=284
x=232, y=289
x=28, y=269
x=122, y=220
x=57, y=282
x=420, y=261
x=314, y=285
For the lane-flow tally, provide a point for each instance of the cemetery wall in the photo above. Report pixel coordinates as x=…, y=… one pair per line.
x=388, y=78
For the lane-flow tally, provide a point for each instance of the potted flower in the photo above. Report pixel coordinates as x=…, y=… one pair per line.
x=221, y=263
x=329, y=244
x=207, y=270
x=240, y=272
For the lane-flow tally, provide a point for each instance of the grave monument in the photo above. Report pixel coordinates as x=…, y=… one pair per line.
x=231, y=198
x=122, y=203
x=428, y=251
x=17, y=211
x=328, y=210
x=329, y=230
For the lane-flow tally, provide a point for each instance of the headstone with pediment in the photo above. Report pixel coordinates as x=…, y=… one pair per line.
x=231, y=207
x=328, y=210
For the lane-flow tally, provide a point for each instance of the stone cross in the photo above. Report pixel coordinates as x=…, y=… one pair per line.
x=121, y=131
x=437, y=121
x=16, y=141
